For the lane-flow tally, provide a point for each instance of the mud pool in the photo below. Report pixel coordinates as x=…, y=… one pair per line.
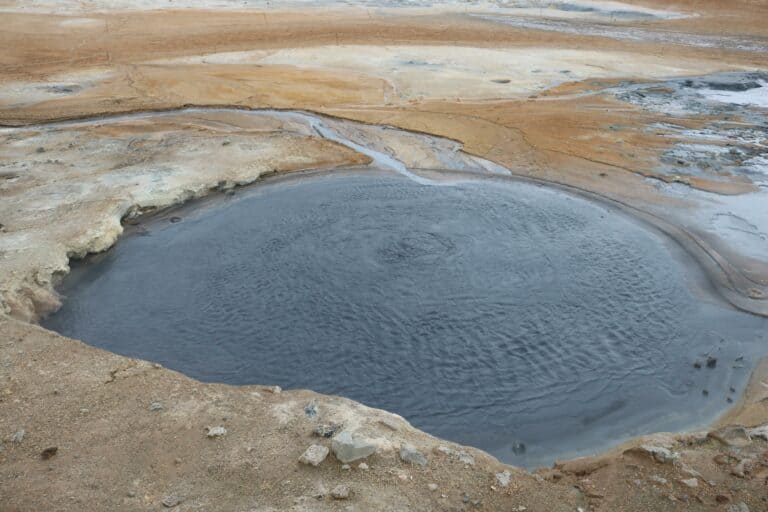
x=516, y=318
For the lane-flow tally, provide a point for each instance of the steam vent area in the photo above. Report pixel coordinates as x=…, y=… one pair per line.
x=383, y=255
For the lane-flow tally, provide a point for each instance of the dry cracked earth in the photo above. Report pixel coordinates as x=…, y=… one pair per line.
x=111, y=110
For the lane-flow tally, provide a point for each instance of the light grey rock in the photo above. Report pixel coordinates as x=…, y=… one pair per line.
x=759, y=432
x=432, y=487
x=659, y=480
x=314, y=455
x=411, y=455
x=504, y=478
x=363, y=466
x=738, y=507
x=659, y=453
x=690, y=482
x=216, y=432
x=461, y=456
x=340, y=492
x=735, y=436
x=349, y=447
x=155, y=406
x=18, y=436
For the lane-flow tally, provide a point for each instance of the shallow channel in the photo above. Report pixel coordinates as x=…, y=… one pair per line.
x=520, y=319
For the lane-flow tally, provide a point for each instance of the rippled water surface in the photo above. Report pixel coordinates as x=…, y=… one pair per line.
x=511, y=317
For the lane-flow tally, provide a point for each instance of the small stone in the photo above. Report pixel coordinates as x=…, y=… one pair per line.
x=697, y=364
x=175, y=219
x=131, y=494
x=346, y=467
x=432, y=487
x=503, y=478
x=171, y=501
x=314, y=455
x=49, y=452
x=348, y=447
x=340, y=492
x=18, y=436
x=276, y=390
x=659, y=480
x=690, y=482
x=411, y=455
x=722, y=498
x=216, y=432
x=738, y=507
x=326, y=429
x=711, y=362
x=363, y=466
x=155, y=406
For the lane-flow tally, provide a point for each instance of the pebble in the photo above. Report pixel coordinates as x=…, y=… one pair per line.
x=340, y=492
x=346, y=467
x=171, y=501
x=155, y=406
x=659, y=480
x=311, y=409
x=690, y=482
x=273, y=389
x=711, y=362
x=18, y=436
x=363, y=466
x=314, y=455
x=326, y=429
x=411, y=455
x=432, y=487
x=738, y=507
x=348, y=447
x=216, y=432
x=503, y=478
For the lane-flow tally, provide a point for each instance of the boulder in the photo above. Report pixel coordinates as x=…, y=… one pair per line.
x=349, y=447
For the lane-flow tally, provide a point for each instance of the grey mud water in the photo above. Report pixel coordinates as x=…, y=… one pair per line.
x=515, y=318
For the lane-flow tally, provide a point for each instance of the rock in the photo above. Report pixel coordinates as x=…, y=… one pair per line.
x=711, y=362
x=314, y=455
x=155, y=406
x=735, y=436
x=49, y=452
x=216, y=432
x=340, y=492
x=461, y=456
x=690, y=482
x=171, y=501
x=348, y=447
x=738, y=507
x=273, y=389
x=659, y=480
x=411, y=455
x=18, y=436
x=363, y=466
x=432, y=487
x=722, y=498
x=503, y=478
x=346, y=467
x=390, y=424
x=743, y=468
x=697, y=364
x=326, y=429
x=175, y=219
x=759, y=432
x=657, y=453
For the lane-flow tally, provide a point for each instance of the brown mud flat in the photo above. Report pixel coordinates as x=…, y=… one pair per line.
x=130, y=435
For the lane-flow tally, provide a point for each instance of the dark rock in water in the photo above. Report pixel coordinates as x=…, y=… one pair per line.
x=705, y=392
x=697, y=364
x=501, y=81
x=175, y=219
x=711, y=362
x=518, y=448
